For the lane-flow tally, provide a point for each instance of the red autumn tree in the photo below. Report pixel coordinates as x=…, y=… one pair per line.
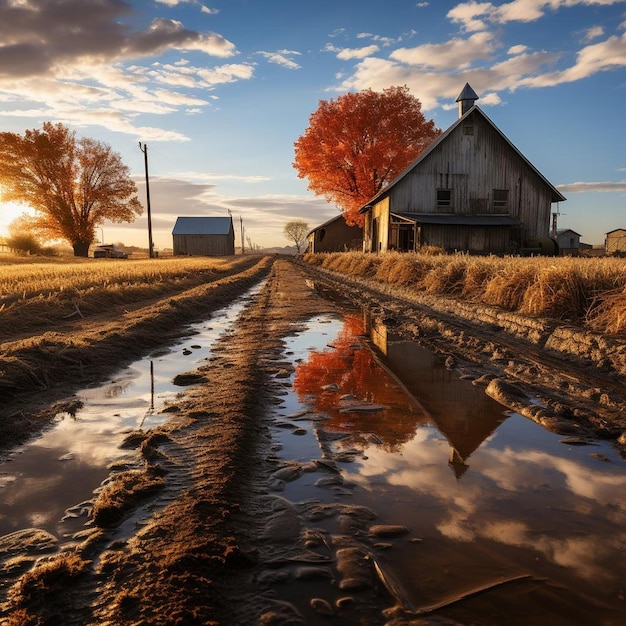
x=358, y=143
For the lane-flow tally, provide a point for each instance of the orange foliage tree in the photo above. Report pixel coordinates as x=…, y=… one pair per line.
x=358, y=143
x=73, y=184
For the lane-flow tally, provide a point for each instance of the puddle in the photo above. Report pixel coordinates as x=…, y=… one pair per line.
x=61, y=468
x=485, y=494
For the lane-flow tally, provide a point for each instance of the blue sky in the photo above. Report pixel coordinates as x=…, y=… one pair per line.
x=219, y=90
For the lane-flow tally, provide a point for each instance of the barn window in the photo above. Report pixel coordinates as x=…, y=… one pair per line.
x=500, y=200
x=444, y=198
x=468, y=129
x=321, y=234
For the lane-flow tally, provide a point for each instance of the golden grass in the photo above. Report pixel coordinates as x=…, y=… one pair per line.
x=586, y=291
x=37, y=294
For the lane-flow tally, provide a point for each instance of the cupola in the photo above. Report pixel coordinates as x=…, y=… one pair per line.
x=466, y=99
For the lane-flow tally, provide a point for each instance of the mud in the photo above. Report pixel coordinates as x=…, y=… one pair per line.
x=211, y=552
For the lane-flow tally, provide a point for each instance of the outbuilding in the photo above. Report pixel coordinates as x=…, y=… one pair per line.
x=568, y=241
x=335, y=235
x=204, y=236
x=470, y=191
x=615, y=241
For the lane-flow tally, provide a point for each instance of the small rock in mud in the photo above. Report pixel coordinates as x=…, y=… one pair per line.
x=288, y=473
x=190, y=378
x=329, y=481
x=577, y=441
x=299, y=431
x=283, y=525
x=600, y=457
x=355, y=567
x=331, y=387
x=388, y=530
x=310, y=572
x=321, y=606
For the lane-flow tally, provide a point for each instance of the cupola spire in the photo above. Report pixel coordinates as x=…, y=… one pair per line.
x=466, y=99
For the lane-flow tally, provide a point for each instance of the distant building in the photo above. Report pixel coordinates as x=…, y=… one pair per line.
x=335, y=235
x=470, y=190
x=204, y=236
x=569, y=242
x=615, y=241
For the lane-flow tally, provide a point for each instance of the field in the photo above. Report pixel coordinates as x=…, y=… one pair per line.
x=552, y=349
x=586, y=291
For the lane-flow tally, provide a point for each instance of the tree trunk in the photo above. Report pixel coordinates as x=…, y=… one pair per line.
x=81, y=248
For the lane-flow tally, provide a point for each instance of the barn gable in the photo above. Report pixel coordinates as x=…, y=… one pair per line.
x=204, y=236
x=470, y=190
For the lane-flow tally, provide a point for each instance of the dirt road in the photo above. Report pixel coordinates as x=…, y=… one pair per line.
x=208, y=467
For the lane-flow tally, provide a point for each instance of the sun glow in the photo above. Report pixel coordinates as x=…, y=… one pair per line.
x=10, y=211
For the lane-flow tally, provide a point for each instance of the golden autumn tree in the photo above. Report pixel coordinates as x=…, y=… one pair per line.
x=358, y=143
x=73, y=184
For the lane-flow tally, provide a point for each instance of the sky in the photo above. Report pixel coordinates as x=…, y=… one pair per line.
x=219, y=91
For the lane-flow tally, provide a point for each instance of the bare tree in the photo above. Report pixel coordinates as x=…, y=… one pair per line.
x=297, y=232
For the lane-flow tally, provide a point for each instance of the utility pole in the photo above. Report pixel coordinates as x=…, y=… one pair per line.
x=242, y=244
x=144, y=148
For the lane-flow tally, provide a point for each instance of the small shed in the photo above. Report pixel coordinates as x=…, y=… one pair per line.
x=335, y=235
x=204, y=236
x=568, y=241
x=615, y=241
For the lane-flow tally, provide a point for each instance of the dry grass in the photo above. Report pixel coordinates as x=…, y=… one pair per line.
x=38, y=294
x=590, y=292
x=122, y=494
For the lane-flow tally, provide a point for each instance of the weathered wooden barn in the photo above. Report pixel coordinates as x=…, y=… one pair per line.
x=471, y=190
x=335, y=235
x=204, y=236
x=615, y=241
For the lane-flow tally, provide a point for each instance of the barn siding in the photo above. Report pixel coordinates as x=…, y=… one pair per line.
x=335, y=236
x=616, y=241
x=472, y=166
x=204, y=245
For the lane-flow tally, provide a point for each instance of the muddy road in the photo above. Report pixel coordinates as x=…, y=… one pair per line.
x=222, y=530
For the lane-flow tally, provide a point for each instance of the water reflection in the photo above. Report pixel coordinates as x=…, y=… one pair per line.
x=461, y=411
x=343, y=369
x=518, y=500
x=62, y=467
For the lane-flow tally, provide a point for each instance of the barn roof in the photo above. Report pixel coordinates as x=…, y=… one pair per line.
x=202, y=226
x=557, y=196
x=332, y=220
x=562, y=231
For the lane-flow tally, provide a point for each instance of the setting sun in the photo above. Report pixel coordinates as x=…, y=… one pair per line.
x=10, y=211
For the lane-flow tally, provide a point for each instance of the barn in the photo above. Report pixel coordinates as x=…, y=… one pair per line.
x=335, y=235
x=471, y=191
x=615, y=242
x=204, y=236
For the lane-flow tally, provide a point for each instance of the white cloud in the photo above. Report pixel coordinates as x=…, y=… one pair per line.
x=347, y=54
x=456, y=53
x=597, y=186
x=592, y=33
x=519, y=49
x=475, y=16
x=280, y=57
